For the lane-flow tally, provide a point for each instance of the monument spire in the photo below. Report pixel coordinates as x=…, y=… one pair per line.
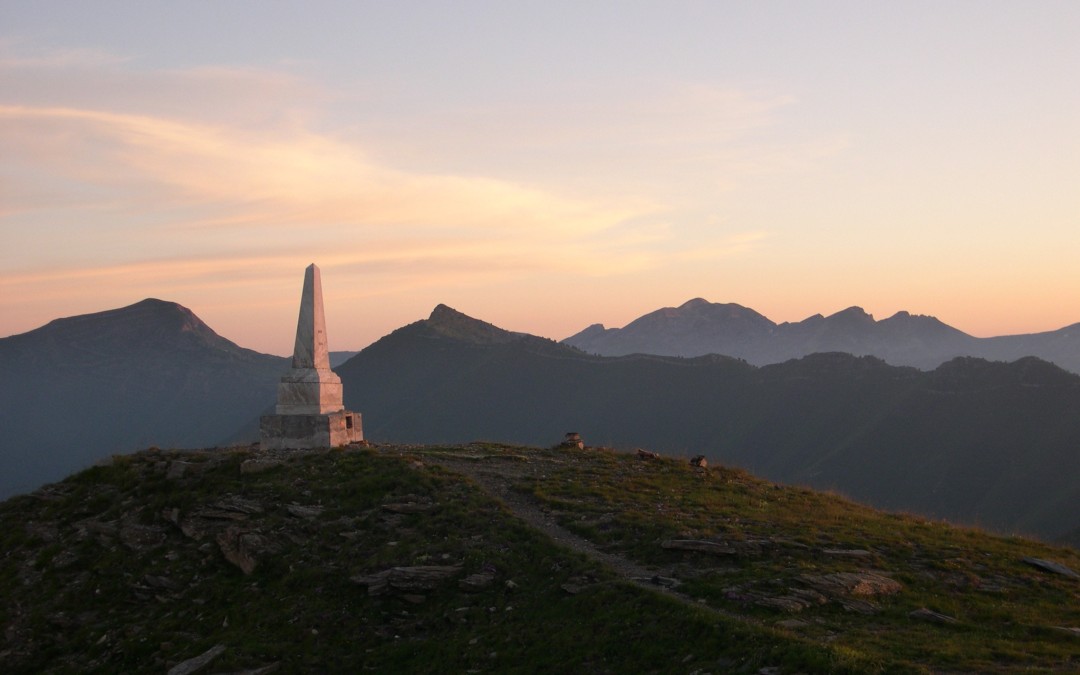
x=310, y=350
x=310, y=412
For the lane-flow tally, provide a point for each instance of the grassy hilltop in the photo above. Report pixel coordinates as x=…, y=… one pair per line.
x=491, y=558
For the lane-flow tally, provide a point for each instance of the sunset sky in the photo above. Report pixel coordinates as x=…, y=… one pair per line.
x=540, y=165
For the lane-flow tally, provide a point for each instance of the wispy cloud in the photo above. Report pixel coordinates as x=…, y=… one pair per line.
x=182, y=185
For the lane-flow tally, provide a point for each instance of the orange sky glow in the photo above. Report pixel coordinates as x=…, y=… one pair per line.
x=541, y=167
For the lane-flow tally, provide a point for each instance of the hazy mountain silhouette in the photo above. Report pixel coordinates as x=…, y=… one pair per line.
x=973, y=441
x=152, y=373
x=699, y=327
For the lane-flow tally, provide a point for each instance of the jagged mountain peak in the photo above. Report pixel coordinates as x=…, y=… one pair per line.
x=449, y=322
x=853, y=313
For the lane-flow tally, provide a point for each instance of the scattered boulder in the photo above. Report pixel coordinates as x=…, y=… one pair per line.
x=406, y=507
x=847, y=553
x=259, y=465
x=1051, y=566
x=745, y=547
x=177, y=469
x=194, y=665
x=407, y=579
x=476, y=582
x=924, y=614
x=139, y=537
x=699, y=461
x=243, y=548
x=235, y=504
x=785, y=603
x=299, y=511
x=699, y=545
x=863, y=583
x=645, y=454
x=263, y=670
x=792, y=624
x=664, y=582
x=104, y=531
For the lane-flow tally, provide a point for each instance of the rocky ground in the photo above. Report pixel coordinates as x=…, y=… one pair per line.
x=489, y=558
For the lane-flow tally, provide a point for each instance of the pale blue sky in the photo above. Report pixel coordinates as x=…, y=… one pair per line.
x=540, y=165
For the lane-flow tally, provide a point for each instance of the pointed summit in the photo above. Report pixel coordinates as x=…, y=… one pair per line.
x=448, y=322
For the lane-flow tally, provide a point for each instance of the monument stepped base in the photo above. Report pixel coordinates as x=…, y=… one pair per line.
x=304, y=432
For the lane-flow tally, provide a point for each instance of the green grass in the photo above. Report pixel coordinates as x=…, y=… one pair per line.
x=1004, y=607
x=77, y=599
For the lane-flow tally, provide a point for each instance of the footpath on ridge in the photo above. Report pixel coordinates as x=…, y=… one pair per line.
x=497, y=475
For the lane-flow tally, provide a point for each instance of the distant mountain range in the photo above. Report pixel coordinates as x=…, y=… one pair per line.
x=973, y=441
x=699, y=327
x=977, y=442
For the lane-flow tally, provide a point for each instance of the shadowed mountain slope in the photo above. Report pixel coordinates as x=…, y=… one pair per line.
x=151, y=373
x=699, y=327
x=978, y=442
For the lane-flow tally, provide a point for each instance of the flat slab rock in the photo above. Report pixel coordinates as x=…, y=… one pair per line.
x=407, y=579
x=852, y=583
x=924, y=614
x=194, y=665
x=1051, y=566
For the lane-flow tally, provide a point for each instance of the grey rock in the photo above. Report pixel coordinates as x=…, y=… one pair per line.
x=1051, y=566
x=699, y=545
x=666, y=582
x=239, y=505
x=924, y=614
x=406, y=507
x=863, y=583
x=138, y=537
x=476, y=582
x=249, y=466
x=859, y=606
x=786, y=603
x=177, y=469
x=194, y=665
x=792, y=624
x=303, y=511
x=243, y=548
x=848, y=553
x=264, y=670
x=407, y=579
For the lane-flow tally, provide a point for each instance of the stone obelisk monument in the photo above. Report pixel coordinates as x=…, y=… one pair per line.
x=310, y=412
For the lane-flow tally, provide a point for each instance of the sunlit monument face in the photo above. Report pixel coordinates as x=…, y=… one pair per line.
x=310, y=412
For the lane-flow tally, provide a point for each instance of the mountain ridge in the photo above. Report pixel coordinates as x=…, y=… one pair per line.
x=700, y=327
x=892, y=436
x=150, y=373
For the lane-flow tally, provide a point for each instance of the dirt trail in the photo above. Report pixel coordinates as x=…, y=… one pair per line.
x=496, y=475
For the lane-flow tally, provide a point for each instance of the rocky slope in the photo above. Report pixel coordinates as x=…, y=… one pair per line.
x=487, y=558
